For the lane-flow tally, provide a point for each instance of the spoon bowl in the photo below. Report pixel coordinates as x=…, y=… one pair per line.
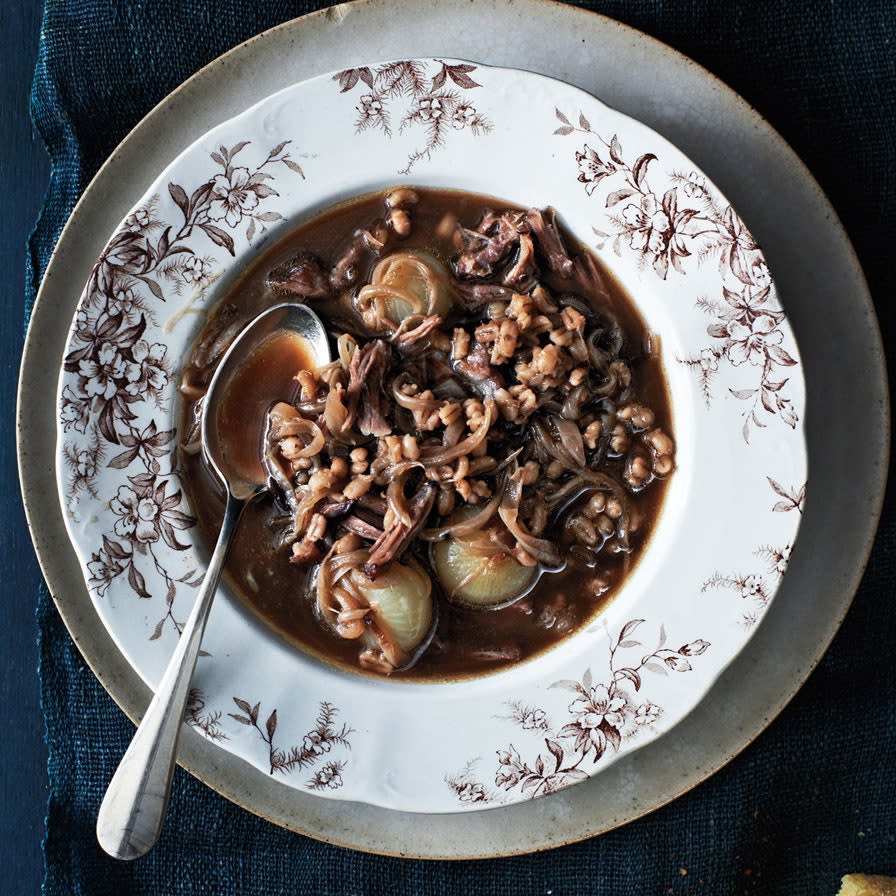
x=288, y=318
x=133, y=810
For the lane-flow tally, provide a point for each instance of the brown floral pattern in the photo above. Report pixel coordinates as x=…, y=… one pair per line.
x=600, y=716
x=428, y=95
x=202, y=719
x=682, y=222
x=791, y=498
x=756, y=587
x=120, y=380
x=317, y=744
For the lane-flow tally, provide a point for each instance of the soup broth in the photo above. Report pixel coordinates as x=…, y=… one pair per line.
x=495, y=428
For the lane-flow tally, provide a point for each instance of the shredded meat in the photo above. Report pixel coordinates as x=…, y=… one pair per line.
x=522, y=272
x=477, y=370
x=303, y=276
x=473, y=296
x=550, y=243
x=503, y=233
x=396, y=539
x=365, y=398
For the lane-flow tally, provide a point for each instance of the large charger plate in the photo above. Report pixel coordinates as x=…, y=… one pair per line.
x=640, y=784
x=718, y=550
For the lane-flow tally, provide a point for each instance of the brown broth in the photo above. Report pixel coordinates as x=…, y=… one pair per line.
x=258, y=565
x=267, y=375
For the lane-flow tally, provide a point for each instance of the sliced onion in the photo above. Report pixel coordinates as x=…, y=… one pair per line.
x=570, y=439
x=296, y=425
x=385, y=307
x=600, y=358
x=582, y=480
x=346, y=346
x=440, y=456
x=395, y=496
x=329, y=601
x=461, y=526
x=540, y=549
x=552, y=449
x=275, y=469
x=574, y=402
x=412, y=402
x=343, y=562
x=609, y=387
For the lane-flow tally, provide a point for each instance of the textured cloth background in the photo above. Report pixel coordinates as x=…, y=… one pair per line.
x=813, y=798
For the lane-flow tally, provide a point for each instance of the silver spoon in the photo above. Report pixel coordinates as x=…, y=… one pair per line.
x=130, y=818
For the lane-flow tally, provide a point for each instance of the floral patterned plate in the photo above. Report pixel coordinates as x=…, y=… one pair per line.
x=732, y=509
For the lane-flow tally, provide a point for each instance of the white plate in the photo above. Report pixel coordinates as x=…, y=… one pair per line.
x=767, y=673
x=719, y=549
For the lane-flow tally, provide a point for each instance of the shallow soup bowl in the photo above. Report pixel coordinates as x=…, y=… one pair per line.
x=720, y=545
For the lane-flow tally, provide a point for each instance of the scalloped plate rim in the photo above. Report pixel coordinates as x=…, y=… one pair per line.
x=255, y=108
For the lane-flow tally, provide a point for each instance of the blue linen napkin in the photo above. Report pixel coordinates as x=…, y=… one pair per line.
x=813, y=798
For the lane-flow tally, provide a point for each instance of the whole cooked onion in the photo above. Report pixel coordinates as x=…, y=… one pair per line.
x=403, y=285
x=393, y=615
x=479, y=571
x=401, y=609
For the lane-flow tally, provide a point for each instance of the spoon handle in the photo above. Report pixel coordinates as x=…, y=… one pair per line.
x=130, y=818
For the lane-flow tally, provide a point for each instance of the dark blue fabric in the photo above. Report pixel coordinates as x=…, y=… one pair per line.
x=792, y=813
